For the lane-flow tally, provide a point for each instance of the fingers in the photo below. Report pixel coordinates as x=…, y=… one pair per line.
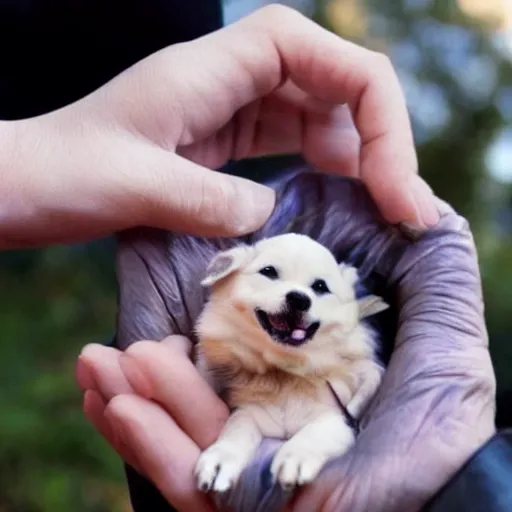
x=251, y=58
x=293, y=121
x=334, y=146
x=158, y=371
x=187, y=198
x=94, y=408
x=98, y=369
x=142, y=185
x=169, y=455
x=340, y=72
x=161, y=373
x=143, y=433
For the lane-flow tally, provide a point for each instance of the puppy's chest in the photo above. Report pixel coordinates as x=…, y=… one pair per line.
x=282, y=409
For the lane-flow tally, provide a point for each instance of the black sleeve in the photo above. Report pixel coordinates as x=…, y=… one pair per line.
x=53, y=52
x=483, y=484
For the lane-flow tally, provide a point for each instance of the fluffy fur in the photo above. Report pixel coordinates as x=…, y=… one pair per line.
x=281, y=323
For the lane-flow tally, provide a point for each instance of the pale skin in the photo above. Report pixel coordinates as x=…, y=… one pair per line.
x=141, y=150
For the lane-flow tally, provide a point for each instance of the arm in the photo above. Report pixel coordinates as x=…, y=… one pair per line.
x=10, y=190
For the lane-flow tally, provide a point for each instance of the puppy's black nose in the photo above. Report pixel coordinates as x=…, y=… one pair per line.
x=298, y=301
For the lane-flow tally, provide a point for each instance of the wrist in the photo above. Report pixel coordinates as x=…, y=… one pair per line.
x=8, y=131
x=12, y=185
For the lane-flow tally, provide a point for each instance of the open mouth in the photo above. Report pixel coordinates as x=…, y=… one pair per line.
x=288, y=327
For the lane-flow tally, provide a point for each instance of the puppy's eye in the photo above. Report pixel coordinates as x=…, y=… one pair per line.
x=320, y=287
x=270, y=272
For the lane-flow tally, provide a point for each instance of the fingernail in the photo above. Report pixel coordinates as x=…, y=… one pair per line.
x=138, y=381
x=424, y=198
x=257, y=207
x=84, y=376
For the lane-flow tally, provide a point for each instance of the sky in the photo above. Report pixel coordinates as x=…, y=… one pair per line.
x=499, y=157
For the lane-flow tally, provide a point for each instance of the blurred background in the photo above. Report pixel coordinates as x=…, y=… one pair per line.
x=454, y=61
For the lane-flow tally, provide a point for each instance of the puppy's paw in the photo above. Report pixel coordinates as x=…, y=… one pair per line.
x=218, y=468
x=297, y=464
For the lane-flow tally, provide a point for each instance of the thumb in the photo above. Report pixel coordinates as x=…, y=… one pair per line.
x=185, y=197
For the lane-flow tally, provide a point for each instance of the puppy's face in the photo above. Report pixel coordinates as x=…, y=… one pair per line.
x=289, y=287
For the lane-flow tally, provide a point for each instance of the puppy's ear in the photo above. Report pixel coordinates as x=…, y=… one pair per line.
x=348, y=273
x=225, y=263
x=371, y=305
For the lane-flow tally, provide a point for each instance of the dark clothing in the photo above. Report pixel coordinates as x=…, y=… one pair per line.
x=482, y=485
x=53, y=52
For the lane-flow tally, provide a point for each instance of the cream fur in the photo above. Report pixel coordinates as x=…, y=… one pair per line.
x=278, y=390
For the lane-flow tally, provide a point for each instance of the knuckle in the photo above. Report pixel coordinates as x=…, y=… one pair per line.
x=93, y=352
x=141, y=350
x=123, y=410
x=119, y=407
x=147, y=354
x=382, y=63
x=178, y=343
x=278, y=14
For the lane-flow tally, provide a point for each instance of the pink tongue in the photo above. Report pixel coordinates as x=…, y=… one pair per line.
x=298, y=334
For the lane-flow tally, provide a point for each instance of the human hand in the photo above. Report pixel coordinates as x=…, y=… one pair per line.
x=136, y=400
x=436, y=403
x=139, y=150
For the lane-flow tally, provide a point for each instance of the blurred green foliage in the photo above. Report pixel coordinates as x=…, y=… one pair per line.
x=56, y=300
x=53, y=302
x=458, y=83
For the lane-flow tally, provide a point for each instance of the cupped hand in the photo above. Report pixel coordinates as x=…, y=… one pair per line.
x=436, y=403
x=139, y=150
x=155, y=410
x=435, y=407
x=434, y=410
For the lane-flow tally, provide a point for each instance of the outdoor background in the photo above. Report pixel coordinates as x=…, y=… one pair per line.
x=454, y=61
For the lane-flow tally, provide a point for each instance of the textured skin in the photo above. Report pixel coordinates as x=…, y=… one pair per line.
x=436, y=404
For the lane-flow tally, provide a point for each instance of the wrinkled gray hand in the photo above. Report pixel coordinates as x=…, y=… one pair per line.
x=436, y=403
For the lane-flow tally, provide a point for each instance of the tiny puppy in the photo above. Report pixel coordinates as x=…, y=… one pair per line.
x=282, y=330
